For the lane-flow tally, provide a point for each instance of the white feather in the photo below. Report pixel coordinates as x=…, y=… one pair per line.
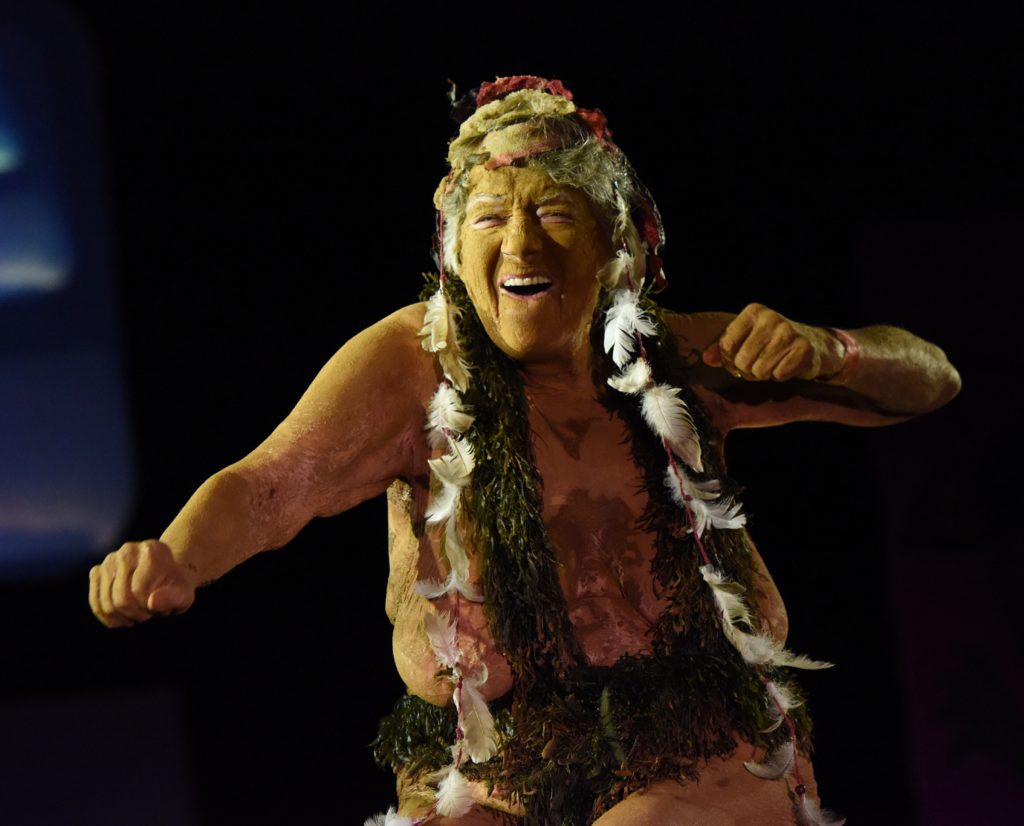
x=780, y=656
x=392, y=818
x=621, y=218
x=781, y=702
x=454, y=797
x=775, y=765
x=435, y=323
x=763, y=649
x=614, y=274
x=433, y=589
x=755, y=648
x=704, y=502
x=443, y=638
x=632, y=379
x=458, y=559
x=669, y=417
x=707, y=490
x=727, y=596
x=442, y=503
x=453, y=471
x=454, y=367
x=446, y=413
x=481, y=740
x=622, y=321
x=814, y=815
x=440, y=334
x=456, y=466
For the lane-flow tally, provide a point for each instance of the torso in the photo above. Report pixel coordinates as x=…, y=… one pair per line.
x=593, y=497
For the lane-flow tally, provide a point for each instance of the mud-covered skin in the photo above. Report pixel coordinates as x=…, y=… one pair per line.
x=593, y=498
x=358, y=429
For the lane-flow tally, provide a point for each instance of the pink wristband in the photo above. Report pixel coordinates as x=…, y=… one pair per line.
x=851, y=355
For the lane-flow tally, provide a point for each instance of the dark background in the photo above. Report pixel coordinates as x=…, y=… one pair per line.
x=268, y=178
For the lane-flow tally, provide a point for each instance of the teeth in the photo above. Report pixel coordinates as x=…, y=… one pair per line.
x=526, y=282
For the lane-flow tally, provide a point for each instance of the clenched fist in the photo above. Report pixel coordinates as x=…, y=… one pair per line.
x=138, y=581
x=761, y=345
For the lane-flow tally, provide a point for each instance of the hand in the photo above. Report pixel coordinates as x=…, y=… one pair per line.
x=138, y=581
x=761, y=344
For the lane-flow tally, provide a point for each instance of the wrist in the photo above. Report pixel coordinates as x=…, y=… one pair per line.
x=850, y=356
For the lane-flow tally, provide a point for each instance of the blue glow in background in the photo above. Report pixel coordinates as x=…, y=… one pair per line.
x=65, y=468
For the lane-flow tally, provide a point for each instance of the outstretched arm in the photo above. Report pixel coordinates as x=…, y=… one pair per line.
x=776, y=370
x=355, y=430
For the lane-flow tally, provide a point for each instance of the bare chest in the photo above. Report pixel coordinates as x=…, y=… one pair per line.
x=593, y=497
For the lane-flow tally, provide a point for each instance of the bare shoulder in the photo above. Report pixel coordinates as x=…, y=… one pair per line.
x=388, y=349
x=358, y=426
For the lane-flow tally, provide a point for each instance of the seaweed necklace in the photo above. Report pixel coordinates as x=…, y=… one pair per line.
x=486, y=481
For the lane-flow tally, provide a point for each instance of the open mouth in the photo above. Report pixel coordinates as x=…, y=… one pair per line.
x=527, y=286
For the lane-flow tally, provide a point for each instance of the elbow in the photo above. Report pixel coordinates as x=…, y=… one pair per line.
x=945, y=384
x=953, y=385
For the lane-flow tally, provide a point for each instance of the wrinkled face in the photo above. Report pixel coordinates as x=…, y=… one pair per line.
x=529, y=251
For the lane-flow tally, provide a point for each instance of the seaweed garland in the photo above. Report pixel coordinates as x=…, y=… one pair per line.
x=706, y=505
x=575, y=738
x=585, y=737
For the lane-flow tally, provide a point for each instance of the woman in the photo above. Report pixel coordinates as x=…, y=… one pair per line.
x=564, y=543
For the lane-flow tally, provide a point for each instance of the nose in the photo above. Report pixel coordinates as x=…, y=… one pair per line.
x=522, y=241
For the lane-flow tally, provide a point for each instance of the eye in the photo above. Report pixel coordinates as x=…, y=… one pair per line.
x=556, y=217
x=486, y=220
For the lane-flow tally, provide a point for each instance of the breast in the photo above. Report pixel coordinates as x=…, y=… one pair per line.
x=415, y=554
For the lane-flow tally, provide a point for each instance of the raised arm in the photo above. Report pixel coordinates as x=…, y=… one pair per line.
x=356, y=429
x=772, y=370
